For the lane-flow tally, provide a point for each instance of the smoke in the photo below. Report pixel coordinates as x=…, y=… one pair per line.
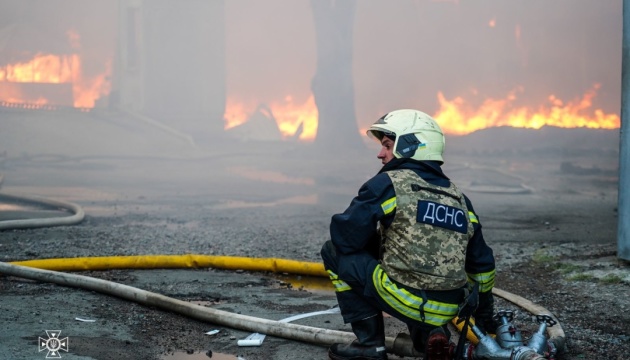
x=260, y=53
x=408, y=51
x=405, y=52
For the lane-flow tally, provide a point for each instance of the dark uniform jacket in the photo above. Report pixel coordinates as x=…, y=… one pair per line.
x=356, y=228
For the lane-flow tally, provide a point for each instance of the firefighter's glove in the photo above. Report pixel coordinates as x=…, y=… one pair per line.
x=484, y=315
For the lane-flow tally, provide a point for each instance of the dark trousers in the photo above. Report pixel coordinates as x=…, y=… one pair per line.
x=363, y=301
x=356, y=270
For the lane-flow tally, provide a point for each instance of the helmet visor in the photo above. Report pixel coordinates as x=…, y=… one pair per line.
x=378, y=134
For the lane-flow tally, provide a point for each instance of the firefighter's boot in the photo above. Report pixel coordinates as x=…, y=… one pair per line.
x=369, y=345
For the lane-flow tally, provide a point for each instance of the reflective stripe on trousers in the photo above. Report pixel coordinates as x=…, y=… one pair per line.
x=407, y=304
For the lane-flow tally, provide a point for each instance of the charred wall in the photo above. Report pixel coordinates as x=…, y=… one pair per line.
x=171, y=63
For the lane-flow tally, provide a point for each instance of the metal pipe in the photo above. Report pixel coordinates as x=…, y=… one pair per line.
x=623, y=209
x=555, y=333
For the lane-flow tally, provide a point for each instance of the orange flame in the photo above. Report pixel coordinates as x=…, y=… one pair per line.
x=87, y=90
x=457, y=117
x=290, y=116
x=236, y=113
x=41, y=69
x=56, y=69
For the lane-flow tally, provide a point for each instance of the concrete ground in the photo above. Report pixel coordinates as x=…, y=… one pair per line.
x=551, y=220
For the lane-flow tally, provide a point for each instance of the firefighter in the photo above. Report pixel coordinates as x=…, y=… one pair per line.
x=409, y=244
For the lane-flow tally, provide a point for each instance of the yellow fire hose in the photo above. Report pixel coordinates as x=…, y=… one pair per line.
x=400, y=345
x=47, y=270
x=249, y=264
x=178, y=262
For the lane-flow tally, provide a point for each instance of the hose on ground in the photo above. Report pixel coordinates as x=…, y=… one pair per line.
x=401, y=346
x=178, y=262
x=76, y=217
x=555, y=333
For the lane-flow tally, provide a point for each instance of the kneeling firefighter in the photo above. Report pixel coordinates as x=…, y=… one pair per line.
x=409, y=244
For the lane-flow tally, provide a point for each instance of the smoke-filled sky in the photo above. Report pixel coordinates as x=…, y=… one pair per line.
x=405, y=52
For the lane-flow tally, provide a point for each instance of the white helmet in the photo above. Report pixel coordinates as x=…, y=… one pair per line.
x=418, y=135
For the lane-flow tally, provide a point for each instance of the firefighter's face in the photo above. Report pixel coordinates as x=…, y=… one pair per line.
x=387, y=150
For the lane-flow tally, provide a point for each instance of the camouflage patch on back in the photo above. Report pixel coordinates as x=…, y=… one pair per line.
x=425, y=246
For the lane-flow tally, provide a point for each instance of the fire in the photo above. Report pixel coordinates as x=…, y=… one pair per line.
x=87, y=90
x=458, y=117
x=54, y=69
x=41, y=69
x=290, y=116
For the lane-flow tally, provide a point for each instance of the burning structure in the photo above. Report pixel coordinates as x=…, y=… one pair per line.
x=44, y=65
x=206, y=66
x=45, y=76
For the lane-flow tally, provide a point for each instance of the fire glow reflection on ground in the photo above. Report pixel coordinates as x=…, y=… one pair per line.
x=305, y=283
x=269, y=176
x=296, y=200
